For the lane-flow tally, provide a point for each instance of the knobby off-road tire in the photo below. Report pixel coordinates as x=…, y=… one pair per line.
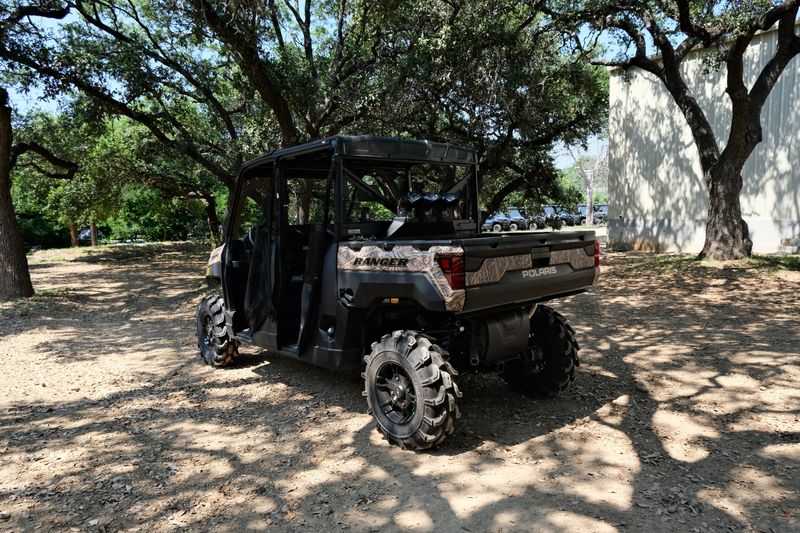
x=549, y=362
x=513, y=227
x=216, y=347
x=410, y=390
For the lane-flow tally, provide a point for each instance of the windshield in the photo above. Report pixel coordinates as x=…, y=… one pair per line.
x=514, y=213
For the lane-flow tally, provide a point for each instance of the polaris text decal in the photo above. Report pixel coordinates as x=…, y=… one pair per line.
x=536, y=272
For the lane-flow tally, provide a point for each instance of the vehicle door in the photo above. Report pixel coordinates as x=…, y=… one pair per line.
x=247, y=266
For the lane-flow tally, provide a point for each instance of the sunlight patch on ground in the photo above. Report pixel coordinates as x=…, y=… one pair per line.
x=418, y=520
x=750, y=486
x=681, y=434
x=560, y=521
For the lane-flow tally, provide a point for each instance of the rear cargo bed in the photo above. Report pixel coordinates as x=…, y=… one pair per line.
x=518, y=268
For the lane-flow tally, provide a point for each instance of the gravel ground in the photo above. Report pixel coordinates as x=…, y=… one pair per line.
x=685, y=415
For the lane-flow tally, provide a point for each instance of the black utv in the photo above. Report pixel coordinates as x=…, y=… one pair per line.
x=366, y=253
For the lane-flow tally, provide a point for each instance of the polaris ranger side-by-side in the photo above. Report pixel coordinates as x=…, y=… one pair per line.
x=366, y=253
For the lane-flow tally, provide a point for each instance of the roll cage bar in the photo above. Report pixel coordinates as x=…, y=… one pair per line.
x=325, y=158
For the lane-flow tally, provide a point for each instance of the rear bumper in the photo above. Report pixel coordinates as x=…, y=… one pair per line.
x=520, y=287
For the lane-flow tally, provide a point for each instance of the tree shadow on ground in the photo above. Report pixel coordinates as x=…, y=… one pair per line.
x=684, y=416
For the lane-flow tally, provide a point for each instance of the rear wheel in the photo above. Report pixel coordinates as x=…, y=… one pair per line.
x=410, y=390
x=216, y=347
x=547, y=365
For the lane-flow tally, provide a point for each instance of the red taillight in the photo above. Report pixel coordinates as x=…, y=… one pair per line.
x=596, y=253
x=453, y=268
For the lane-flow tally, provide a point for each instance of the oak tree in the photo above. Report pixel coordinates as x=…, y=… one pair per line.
x=677, y=28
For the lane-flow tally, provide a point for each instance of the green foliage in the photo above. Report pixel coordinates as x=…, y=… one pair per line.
x=198, y=87
x=600, y=197
x=575, y=185
x=40, y=230
x=125, y=179
x=145, y=213
x=573, y=193
x=492, y=76
x=91, y=194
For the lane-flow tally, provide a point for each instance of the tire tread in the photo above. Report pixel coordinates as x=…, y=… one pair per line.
x=439, y=388
x=556, y=337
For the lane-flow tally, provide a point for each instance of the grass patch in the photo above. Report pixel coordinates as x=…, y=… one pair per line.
x=783, y=266
x=168, y=252
x=52, y=294
x=675, y=262
x=776, y=262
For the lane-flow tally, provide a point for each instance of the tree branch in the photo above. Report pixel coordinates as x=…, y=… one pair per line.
x=254, y=66
x=178, y=67
x=687, y=26
x=494, y=204
x=32, y=11
x=768, y=19
x=788, y=47
x=276, y=24
x=24, y=147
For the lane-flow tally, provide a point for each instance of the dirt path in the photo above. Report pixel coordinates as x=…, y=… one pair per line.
x=686, y=415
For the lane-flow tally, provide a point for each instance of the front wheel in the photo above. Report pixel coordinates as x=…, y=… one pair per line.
x=497, y=228
x=410, y=390
x=216, y=347
x=547, y=366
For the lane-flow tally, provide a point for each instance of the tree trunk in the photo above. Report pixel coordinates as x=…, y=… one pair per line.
x=304, y=197
x=590, y=206
x=93, y=232
x=211, y=214
x=15, y=280
x=73, y=234
x=727, y=234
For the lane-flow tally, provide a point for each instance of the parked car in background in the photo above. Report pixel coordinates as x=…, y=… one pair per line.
x=567, y=218
x=497, y=223
x=581, y=214
x=600, y=214
x=537, y=219
x=518, y=220
x=553, y=216
x=85, y=235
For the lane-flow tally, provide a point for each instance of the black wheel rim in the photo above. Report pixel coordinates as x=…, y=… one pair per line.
x=208, y=329
x=533, y=358
x=395, y=393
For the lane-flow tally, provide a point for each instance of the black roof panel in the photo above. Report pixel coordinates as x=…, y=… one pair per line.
x=372, y=147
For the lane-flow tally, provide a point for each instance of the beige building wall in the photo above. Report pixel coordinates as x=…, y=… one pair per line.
x=656, y=191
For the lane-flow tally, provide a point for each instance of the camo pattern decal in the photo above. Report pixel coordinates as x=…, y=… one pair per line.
x=576, y=258
x=216, y=255
x=405, y=259
x=494, y=268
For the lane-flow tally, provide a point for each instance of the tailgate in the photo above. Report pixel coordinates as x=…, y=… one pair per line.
x=526, y=267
